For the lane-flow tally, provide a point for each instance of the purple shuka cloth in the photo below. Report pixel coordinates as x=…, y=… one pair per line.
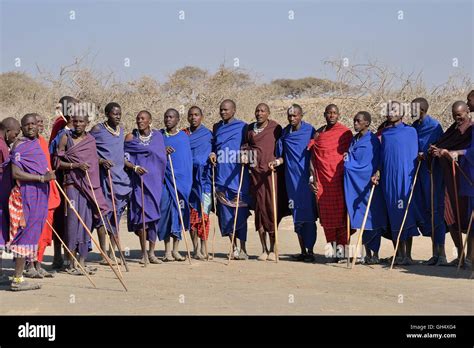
x=85, y=152
x=152, y=157
x=6, y=185
x=30, y=158
x=110, y=147
x=77, y=238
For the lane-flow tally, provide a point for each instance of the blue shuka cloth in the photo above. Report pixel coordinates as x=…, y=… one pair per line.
x=227, y=141
x=292, y=146
x=467, y=165
x=152, y=157
x=110, y=147
x=429, y=131
x=201, y=147
x=53, y=146
x=169, y=223
x=362, y=162
x=399, y=159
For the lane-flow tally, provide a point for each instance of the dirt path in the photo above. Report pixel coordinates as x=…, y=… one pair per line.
x=253, y=287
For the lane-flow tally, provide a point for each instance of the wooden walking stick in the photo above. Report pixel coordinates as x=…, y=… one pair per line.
x=215, y=211
x=275, y=220
x=204, y=230
x=102, y=218
x=117, y=222
x=179, y=208
x=348, y=223
x=465, y=242
x=362, y=228
x=72, y=255
x=90, y=234
x=458, y=215
x=432, y=206
x=406, y=213
x=236, y=213
x=463, y=173
x=145, y=256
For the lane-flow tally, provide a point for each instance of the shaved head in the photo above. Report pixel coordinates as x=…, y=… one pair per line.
x=9, y=123
x=263, y=105
x=293, y=108
x=27, y=117
x=422, y=102
x=460, y=105
x=229, y=101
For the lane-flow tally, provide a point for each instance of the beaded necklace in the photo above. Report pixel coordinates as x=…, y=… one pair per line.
x=114, y=132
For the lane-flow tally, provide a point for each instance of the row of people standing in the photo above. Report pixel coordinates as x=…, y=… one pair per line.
x=325, y=173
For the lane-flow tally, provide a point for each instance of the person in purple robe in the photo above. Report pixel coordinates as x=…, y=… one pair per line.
x=109, y=137
x=77, y=154
x=9, y=130
x=146, y=157
x=28, y=201
x=457, y=137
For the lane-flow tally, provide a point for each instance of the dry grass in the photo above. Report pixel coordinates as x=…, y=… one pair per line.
x=370, y=85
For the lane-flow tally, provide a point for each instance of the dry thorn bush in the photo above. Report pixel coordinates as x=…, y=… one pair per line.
x=356, y=87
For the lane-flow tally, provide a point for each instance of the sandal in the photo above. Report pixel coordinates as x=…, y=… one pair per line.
x=177, y=256
x=142, y=260
x=74, y=271
x=24, y=286
x=168, y=258
x=153, y=259
x=32, y=273
x=91, y=270
x=242, y=255
x=45, y=273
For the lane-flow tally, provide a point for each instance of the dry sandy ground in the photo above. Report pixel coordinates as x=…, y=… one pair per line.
x=253, y=287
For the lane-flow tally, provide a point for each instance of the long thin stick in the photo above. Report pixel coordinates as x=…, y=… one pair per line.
x=275, y=220
x=102, y=218
x=122, y=256
x=463, y=173
x=215, y=210
x=348, y=223
x=117, y=222
x=362, y=228
x=458, y=215
x=236, y=213
x=72, y=255
x=406, y=213
x=143, y=237
x=432, y=206
x=90, y=234
x=204, y=230
x=465, y=242
x=179, y=209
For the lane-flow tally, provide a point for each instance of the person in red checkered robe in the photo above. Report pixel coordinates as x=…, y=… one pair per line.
x=328, y=148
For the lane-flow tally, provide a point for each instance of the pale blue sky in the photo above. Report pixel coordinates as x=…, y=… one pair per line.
x=259, y=33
